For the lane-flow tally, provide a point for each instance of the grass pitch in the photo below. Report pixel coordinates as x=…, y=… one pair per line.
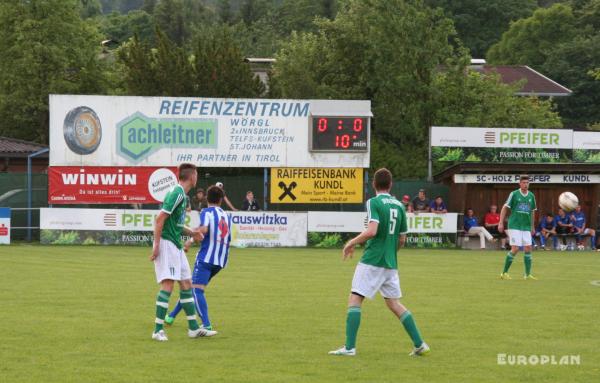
x=86, y=314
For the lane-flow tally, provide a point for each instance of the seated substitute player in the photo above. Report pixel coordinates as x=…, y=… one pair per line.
x=490, y=221
x=564, y=226
x=546, y=229
x=170, y=263
x=472, y=227
x=578, y=219
x=378, y=267
x=521, y=203
x=213, y=253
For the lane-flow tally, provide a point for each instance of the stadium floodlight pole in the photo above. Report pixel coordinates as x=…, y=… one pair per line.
x=429, y=167
x=29, y=189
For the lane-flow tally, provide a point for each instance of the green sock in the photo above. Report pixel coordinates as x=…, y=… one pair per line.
x=162, y=305
x=411, y=328
x=508, y=262
x=187, y=303
x=527, y=260
x=352, y=324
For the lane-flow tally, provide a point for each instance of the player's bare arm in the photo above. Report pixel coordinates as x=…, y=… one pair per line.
x=158, y=228
x=196, y=235
x=401, y=241
x=502, y=218
x=367, y=234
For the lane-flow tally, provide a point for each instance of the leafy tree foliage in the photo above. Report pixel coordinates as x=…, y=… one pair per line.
x=214, y=69
x=46, y=48
x=532, y=40
x=400, y=55
x=563, y=43
x=122, y=27
x=480, y=23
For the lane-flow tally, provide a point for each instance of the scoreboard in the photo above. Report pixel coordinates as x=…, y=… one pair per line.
x=340, y=134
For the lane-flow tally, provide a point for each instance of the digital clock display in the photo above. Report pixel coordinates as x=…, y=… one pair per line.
x=343, y=134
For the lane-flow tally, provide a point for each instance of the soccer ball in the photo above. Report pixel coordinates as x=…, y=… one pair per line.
x=568, y=201
x=220, y=185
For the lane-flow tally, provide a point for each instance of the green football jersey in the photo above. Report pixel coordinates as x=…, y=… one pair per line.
x=382, y=248
x=521, y=210
x=174, y=205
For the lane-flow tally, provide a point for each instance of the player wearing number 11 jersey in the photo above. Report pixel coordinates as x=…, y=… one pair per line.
x=378, y=267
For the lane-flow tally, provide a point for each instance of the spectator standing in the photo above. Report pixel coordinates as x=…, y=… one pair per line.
x=225, y=199
x=472, y=227
x=491, y=221
x=250, y=203
x=407, y=205
x=199, y=201
x=438, y=206
x=420, y=203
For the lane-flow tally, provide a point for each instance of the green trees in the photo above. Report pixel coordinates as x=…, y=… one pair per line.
x=532, y=40
x=214, y=69
x=563, y=43
x=402, y=56
x=46, y=48
x=480, y=23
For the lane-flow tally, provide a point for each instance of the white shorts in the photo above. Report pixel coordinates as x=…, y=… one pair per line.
x=368, y=280
x=171, y=263
x=519, y=237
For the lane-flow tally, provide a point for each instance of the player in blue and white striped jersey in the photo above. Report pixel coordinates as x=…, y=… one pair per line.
x=213, y=255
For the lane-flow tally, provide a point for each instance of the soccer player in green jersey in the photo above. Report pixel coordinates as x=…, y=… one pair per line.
x=378, y=267
x=521, y=225
x=170, y=262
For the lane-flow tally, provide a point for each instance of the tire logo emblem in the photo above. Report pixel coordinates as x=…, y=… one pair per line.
x=82, y=130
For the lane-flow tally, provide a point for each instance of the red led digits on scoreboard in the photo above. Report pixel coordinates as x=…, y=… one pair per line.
x=322, y=125
x=342, y=141
x=338, y=133
x=358, y=124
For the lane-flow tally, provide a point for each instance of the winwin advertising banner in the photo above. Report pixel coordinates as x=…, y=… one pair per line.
x=425, y=230
x=4, y=226
x=314, y=185
x=458, y=144
x=167, y=131
x=109, y=185
x=134, y=227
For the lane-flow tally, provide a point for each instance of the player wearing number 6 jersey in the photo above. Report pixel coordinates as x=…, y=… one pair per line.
x=378, y=267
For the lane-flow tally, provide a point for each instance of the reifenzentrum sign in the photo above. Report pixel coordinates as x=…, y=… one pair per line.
x=166, y=131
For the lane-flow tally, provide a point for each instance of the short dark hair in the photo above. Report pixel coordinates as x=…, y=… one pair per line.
x=549, y=214
x=214, y=194
x=382, y=179
x=200, y=190
x=185, y=171
x=249, y=191
x=523, y=177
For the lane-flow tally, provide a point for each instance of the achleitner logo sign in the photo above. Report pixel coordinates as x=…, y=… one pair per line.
x=314, y=185
x=139, y=136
